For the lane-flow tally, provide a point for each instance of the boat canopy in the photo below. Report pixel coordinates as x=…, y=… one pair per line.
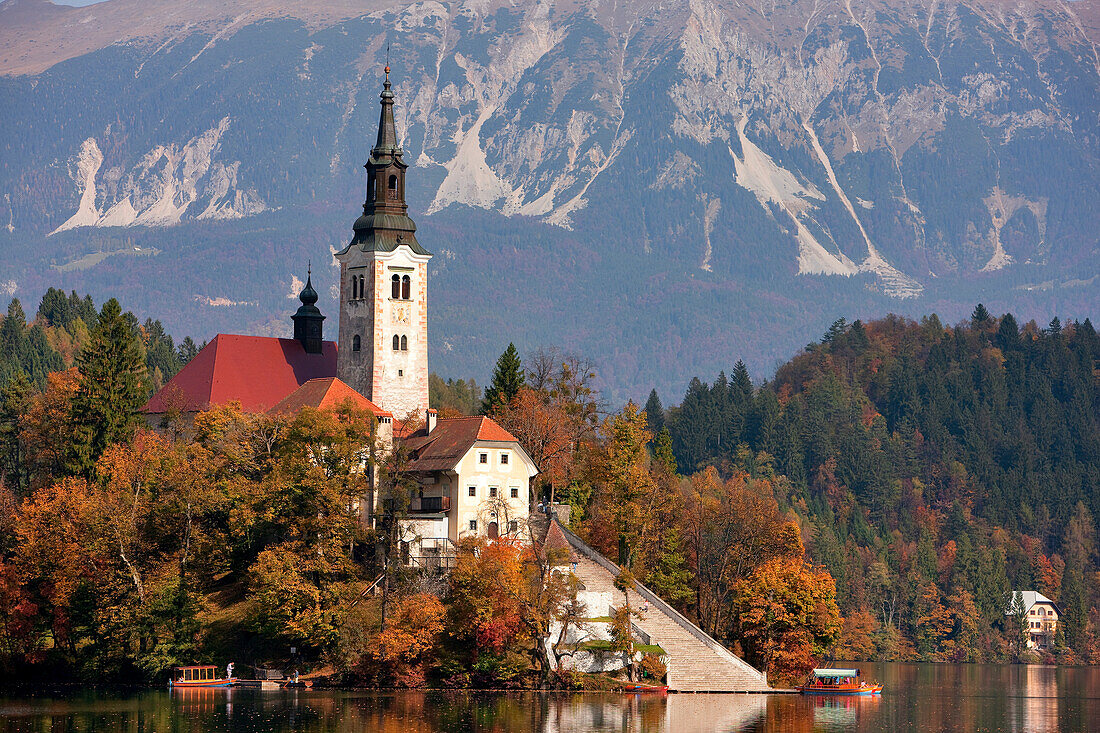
x=836, y=673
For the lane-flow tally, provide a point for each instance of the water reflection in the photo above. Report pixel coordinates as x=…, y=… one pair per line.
x=1036, y=700
x=917, y=698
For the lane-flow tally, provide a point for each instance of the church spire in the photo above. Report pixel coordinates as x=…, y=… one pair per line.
x=385, y=223
x=387, y=131
x=308, y=320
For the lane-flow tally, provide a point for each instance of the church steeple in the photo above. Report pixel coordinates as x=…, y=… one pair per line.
x=385, y=223
x=308, y=321
x=387, y=132
x=383, y=348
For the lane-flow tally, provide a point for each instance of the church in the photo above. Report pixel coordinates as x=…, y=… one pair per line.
x=473, y=475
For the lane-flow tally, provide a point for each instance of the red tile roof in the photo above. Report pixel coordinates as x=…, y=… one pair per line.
x=450, y=440
x=325, y=393
x=257, y=371
x=556, y=542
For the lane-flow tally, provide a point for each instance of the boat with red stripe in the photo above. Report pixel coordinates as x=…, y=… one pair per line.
x=830, y=681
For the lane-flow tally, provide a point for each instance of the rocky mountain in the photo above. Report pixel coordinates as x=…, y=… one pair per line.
x=665, y=186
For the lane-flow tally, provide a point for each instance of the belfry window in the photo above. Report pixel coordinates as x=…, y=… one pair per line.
x=396, y=342
x=393, y=187
x=406, y=286
x=395, y=287
x=355, y=343
x=370, y=188
x=362, y=287
x=404, y=343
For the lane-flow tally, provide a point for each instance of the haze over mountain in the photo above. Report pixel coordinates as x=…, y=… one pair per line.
x=664, y=186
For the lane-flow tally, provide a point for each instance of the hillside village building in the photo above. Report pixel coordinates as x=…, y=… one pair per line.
x=472, y=474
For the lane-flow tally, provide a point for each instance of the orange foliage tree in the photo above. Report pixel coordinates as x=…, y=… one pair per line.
x=787, y=613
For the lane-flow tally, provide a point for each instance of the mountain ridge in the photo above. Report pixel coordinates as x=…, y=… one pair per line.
x=719, y=180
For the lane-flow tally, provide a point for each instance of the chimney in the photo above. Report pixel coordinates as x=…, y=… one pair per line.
x=432, y=416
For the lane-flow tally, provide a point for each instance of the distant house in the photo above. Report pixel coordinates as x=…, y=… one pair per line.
x=1041, y=616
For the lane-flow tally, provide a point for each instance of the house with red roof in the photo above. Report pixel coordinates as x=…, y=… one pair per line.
x=472, y=474
x=473, y=477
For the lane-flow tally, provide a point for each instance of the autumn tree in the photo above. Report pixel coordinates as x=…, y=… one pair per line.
x=732, y=527
x=630, y=503
x=306, y=574
x=47, y=431
x=503, y=601
x=787, y=614
x=554, y=416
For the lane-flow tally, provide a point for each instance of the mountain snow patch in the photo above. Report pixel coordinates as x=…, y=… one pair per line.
x=169, y=183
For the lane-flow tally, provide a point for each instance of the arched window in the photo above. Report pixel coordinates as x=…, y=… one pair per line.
x=355, y=343
x=362, y=286
x=404, y=343
x=354, y=288
x=406, y=284
x=395, y=287
x=370, y=188
x=393, y=183
x=396, y=342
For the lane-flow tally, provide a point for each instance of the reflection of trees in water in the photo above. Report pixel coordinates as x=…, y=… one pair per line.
x=1007, y=698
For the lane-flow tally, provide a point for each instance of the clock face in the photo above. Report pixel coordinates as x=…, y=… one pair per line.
x=401, y=314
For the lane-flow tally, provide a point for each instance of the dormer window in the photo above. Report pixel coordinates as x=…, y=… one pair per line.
x=395, y=287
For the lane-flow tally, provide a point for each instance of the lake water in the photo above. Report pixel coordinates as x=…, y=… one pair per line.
x=918, y=697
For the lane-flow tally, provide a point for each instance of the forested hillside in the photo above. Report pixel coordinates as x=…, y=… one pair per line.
x=59, y=329
x=933, y=469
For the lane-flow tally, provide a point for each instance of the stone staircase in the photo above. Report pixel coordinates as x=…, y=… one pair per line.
x=697, y=663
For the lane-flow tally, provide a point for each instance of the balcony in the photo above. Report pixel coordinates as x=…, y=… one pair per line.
x=430, y=505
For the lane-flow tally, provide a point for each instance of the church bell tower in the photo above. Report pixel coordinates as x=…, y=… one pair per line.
x=383, y=346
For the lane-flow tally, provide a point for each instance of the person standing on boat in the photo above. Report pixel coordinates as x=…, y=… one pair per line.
x=229, y=670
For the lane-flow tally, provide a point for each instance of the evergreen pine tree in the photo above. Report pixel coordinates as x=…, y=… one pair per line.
x=507, y=381
x=836, y=330
x=672, y=577
x=13, y=408
x=741, y=384
x=654, y=414
x=1008, y=333
x=187, y=351
x=13, y=335
x=859, y=336
x=980, y=320
x=662, y=451
x=111, y=388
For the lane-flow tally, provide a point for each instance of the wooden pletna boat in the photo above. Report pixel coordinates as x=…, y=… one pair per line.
x=198, y=675
x=830, y=681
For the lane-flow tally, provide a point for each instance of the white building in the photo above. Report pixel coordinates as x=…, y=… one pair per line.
x=473, y=478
